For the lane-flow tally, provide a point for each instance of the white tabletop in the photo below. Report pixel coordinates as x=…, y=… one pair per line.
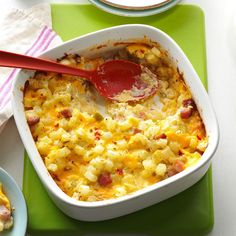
x=221, y=66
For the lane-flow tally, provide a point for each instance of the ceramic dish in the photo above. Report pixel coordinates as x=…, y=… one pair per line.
x=136, y=5
x=16, y=198
x=131, y=13
x=107, y=209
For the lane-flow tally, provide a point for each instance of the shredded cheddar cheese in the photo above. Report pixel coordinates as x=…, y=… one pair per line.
x=96, y=149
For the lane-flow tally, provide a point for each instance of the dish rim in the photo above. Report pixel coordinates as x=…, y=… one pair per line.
x=65, y=198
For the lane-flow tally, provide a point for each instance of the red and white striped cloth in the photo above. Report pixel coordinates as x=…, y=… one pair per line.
x=28, y=32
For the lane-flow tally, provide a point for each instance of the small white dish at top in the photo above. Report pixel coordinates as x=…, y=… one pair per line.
x=131, y=13
x=136, y=5
x=17, y=201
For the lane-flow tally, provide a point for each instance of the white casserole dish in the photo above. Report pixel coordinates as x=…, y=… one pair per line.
x=107, y=209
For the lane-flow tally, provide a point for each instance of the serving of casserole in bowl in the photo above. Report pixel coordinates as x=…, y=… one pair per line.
x=100, y=159
x=13, y=211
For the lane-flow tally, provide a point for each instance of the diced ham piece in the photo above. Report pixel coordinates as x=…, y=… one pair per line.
x=119, y=171
x=186, y=112
x=188, y=107
x=160, y=136
x=171, y=172
x=97, y=134
x=142, y=114
x=105, y=179
x=5, y=214
x=179, y=166
x=189, y=103
x=33, y=120
x=136, y=130
x=66, y=113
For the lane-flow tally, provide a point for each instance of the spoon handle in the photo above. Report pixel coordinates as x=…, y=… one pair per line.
x=9, y=59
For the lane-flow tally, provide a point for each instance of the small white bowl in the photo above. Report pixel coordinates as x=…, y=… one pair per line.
x=17, y=200
x=136, y=5
x=133, y=13
x=107, y=209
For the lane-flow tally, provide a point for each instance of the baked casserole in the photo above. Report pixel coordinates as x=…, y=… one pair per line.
x=97, y=149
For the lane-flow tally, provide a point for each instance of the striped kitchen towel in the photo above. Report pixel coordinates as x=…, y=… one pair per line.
x=23, y=31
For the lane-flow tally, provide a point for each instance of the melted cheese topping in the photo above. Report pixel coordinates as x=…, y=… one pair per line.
x=96, y=149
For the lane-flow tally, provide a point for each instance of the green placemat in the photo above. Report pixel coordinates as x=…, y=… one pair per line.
x=188, y=213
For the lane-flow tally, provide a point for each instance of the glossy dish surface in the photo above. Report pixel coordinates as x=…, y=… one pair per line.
x=144, y=197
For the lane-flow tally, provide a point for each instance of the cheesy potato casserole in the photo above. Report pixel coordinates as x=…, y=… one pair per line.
x=6, y=219
x=97, y=149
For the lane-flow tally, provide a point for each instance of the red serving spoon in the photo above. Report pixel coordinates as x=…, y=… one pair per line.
x=110, y=78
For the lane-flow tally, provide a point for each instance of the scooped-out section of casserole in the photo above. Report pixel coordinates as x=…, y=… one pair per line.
x=97, y=149
x=6, y=219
